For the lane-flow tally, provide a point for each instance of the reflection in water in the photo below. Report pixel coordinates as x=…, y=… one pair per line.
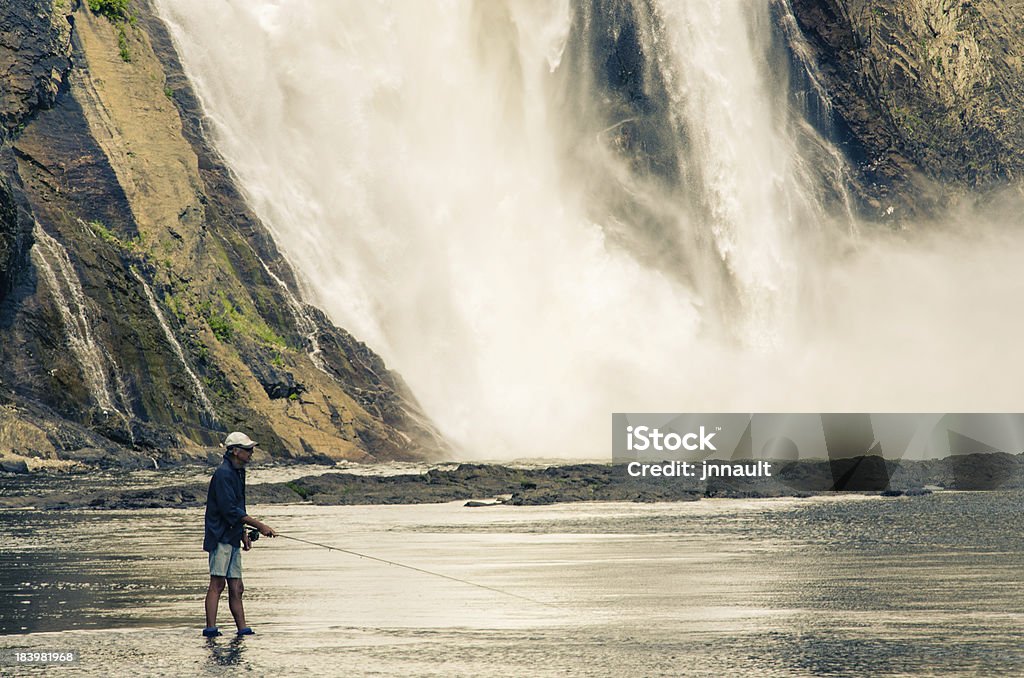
x=789, y=587
x=226, y=654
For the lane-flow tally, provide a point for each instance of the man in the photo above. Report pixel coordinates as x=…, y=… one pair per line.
x=226, y=537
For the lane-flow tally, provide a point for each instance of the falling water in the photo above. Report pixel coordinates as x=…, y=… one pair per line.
x=300, y=315
x=197, y=386
x=544, y=212
x=305, y=324
x=52, y=260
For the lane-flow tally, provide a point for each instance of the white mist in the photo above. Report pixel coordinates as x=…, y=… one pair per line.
x=406, y=157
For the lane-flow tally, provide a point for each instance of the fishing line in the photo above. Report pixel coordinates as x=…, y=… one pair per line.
x=415, y=569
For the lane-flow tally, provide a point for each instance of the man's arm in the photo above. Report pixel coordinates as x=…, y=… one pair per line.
x=264, y=529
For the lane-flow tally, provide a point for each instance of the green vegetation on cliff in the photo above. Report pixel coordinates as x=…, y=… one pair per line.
x=117, y=13
x=113, y=10
x=161, y=314
x=227, y=321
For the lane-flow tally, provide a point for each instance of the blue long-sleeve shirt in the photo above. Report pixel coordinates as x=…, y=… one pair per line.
x=225, y=506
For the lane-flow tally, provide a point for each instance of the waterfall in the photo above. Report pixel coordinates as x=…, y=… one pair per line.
x=99, y=370
x=197, y=387
x=541, y=213
x=305, y=324
x=300, y=316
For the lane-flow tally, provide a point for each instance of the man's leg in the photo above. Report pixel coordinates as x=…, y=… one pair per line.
x=235, y=590
x=213, y=599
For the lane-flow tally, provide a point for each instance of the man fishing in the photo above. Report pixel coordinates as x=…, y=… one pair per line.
x=225, y=537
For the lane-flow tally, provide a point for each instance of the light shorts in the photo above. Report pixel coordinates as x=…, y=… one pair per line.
x=226, y=561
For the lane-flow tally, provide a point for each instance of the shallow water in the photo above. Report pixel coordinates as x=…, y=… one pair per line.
x=843, y=586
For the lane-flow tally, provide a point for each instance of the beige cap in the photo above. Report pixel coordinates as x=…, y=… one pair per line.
x=237, y=439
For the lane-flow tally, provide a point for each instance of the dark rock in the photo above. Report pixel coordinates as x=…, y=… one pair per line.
x=35, y=53
x=15, y=239
x=13, y=465
x=983, y=471
x=923, y=93
x=87, y=455
x=277, y=383
x=571, y=483
x=276, y=493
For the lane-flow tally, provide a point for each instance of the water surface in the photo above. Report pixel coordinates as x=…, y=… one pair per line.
x=842, y=586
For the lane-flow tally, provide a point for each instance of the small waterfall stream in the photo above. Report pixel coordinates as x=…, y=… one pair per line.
x=99, y=370
x=197, y=386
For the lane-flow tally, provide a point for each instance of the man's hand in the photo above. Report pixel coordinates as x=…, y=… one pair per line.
x=259, y=525
x=246, y=542
x=265, y=530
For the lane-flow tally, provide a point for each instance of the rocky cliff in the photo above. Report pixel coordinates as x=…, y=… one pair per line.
x=144, y=310
x=927, y=95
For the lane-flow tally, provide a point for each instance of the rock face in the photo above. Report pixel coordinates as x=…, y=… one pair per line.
x=926, y=93
x=34, y=58
x=142, y=305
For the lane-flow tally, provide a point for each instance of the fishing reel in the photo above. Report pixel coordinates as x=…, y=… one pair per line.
x=254, y=534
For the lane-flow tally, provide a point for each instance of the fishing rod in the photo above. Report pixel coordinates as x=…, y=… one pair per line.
x=254, y=535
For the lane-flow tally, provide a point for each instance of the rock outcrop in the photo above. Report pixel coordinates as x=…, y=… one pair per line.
x=927, y=95
x=143, y=306
x=578, y=482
